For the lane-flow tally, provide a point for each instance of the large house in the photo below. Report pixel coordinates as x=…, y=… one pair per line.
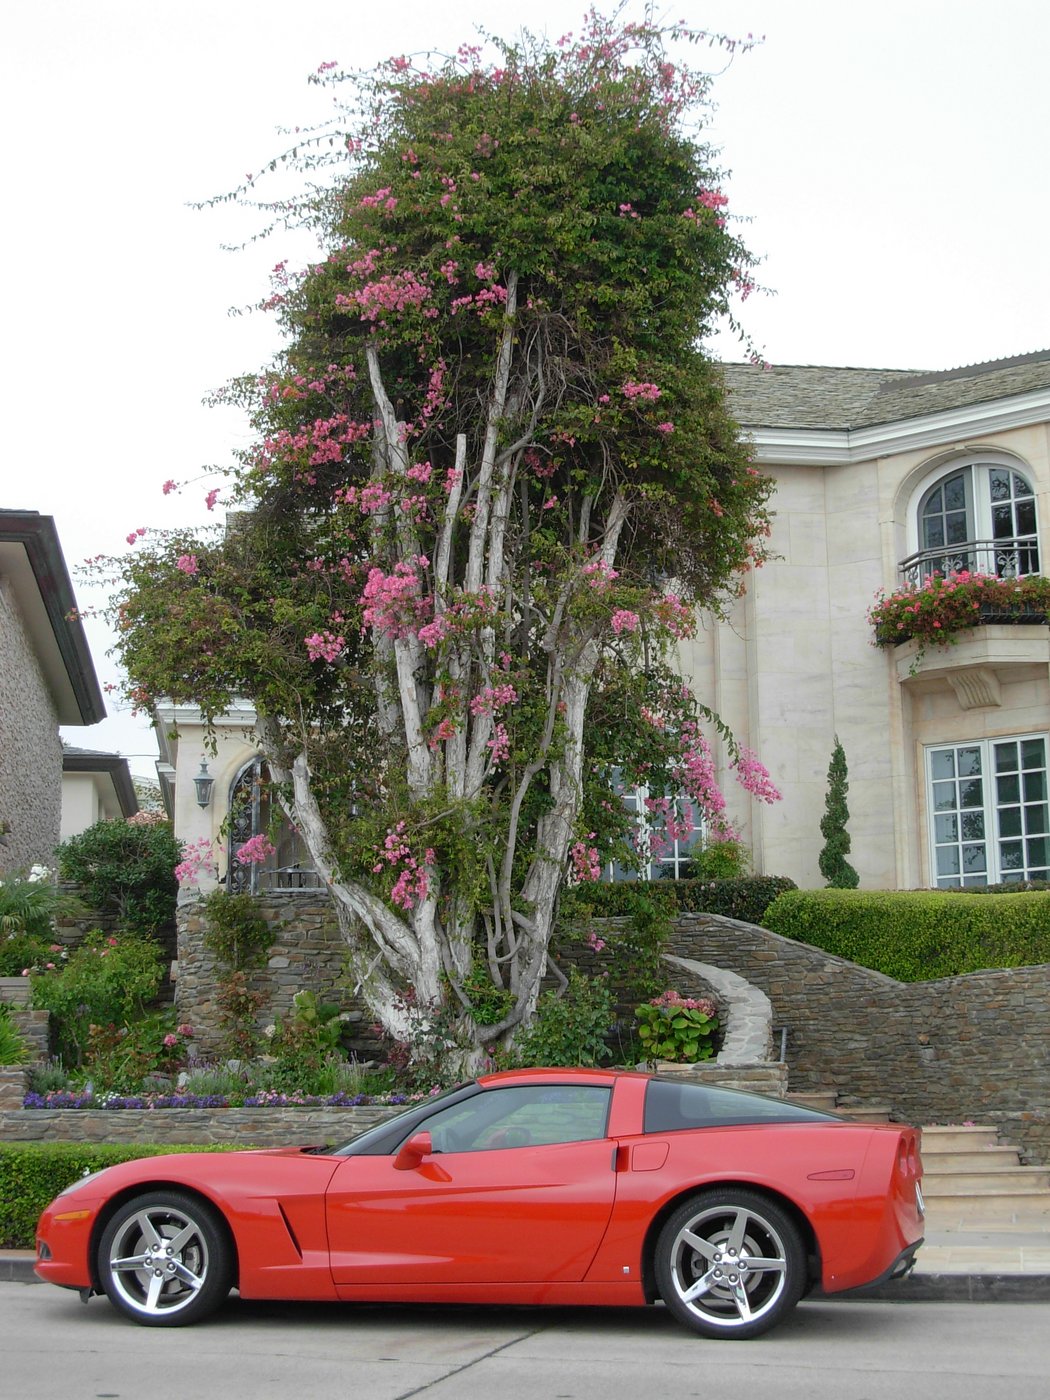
x=882, y=477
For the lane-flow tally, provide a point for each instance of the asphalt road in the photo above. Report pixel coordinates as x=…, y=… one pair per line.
x=52, y=1346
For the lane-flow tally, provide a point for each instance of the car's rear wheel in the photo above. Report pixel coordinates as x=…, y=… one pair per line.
x=730, y=1263
x=165, y=1260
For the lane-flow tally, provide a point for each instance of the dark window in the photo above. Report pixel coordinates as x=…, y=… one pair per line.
x=672, y=1107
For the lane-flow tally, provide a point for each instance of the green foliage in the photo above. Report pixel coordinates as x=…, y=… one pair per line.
x=918, y=935
x=13, y=1049
x=306, y=1047
x=32, y=1175
x=29, y=905
x=240, y=937
x=631, y=951
x=677, y=1028
x=834, y=866
x=237, y=933
x=124, y=1059
x=125, y=868
x=719, y=860
x=571, y=1025
x=106, y=981
x=745, y=899
x=19, y=951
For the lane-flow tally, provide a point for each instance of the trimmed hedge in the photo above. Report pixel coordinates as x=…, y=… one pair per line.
x=918, y=935
x=745, y=898
x=32, y=1175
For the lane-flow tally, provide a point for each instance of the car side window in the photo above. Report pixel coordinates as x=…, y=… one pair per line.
x=527, y=1115
x=673, y=1107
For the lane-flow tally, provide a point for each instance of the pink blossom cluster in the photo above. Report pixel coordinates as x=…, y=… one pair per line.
x=665, y=428
x=392, y=294
x=324, y=646
x=492, y=699
x=753, y=777
x=256, y=850
x=599, y=575
x=187, y=563
x=674, y=1001
x=136, y=535
x=382, y=199
x=196, y=857
x=413, y=881
x=676, y=616
x=623, y=620
x=369, y=499
x=633, y=389
x=698, y=775
x=393, y=603
x=586, y=865
x=499, y=744
x=595, y=943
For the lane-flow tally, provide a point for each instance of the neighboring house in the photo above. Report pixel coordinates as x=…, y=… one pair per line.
x=47, y=678
x=96, y=787
x=881, y=476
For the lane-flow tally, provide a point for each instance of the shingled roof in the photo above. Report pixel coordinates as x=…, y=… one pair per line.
x=827, y=396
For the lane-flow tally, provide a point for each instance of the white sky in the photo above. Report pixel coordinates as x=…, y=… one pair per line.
x=891, y=158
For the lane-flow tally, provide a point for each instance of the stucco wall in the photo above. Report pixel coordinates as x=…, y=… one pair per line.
x=30, y=750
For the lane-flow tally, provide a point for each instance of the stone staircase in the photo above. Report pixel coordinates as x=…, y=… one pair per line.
x=971, y=1180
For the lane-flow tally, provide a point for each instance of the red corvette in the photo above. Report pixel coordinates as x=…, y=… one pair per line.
x=537, y=1186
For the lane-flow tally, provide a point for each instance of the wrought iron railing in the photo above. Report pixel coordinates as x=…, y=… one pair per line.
x=1001, y=558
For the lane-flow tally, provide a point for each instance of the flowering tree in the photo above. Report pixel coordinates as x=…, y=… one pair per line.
x=494, y=478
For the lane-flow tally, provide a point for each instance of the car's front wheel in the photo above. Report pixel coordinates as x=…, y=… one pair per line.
x=164, y=1259
x=730, y=1263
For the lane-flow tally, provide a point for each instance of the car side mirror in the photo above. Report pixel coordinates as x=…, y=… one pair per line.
x=413, y=1151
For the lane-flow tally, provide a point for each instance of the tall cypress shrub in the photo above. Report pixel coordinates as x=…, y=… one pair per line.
x=834, y=866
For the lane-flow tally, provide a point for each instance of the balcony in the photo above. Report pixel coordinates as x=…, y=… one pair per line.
x=1003, y=559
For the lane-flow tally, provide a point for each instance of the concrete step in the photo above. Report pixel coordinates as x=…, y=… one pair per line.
x=964, y=1210
x=994, y=1157
x=961, y=1137
x=985, y=1183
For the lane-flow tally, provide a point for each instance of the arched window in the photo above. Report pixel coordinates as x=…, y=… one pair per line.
x=979, y=517
x=253, y=810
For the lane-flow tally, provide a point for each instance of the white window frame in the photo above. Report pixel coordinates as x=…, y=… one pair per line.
x=979, y=465
x=677, y=854
x=991, y=809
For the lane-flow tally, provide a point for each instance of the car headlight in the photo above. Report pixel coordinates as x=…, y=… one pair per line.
x=84, y=1180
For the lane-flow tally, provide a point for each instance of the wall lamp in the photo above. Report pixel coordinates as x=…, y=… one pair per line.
x=203, y=782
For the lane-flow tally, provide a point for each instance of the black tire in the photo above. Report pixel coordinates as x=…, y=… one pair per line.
x=730, y=1263
x=165, y=1259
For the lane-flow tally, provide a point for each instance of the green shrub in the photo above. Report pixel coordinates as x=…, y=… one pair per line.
x=125, y=868
x=719, y=860
x=13, y=1049
x=676, y=1028
x=918, y=935
x=29, y=905
x=745, y=898
x=106, y=981
x=32, y=1175
x=571, y=1025
x=19, y=951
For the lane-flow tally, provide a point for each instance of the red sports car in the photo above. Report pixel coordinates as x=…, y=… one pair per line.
x=537, y=1186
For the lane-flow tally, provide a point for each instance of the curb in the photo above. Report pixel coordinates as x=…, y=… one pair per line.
x=916, y=1288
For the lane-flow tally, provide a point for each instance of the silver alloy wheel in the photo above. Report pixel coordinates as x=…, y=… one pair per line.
x=162, y=1259
x=730, y=1264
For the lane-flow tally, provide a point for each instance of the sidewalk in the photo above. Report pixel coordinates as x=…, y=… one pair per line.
x=954, y=1266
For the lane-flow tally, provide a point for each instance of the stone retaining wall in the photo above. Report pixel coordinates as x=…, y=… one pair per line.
x=241, y=1127
x=974, y=1047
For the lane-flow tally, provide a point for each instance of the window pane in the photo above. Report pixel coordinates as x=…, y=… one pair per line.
x=942, y=763
x=974, y=859
x=947, y=829
x=1010, y=821
x=1011, y=855
x=955, y=493
x=1021, y=487
x=1006, y=758
x=1033, y=753
x=957, y=529
x=1035, y=820
x=948, y=860
x=934, y=532
x=973, y=826
x=1035, y=787
x=1008, y=789
x=999, y=484
x=1038, y=852
x=971, y=793
x=969, y=762
x=1002, y=523
x=1024, y=513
